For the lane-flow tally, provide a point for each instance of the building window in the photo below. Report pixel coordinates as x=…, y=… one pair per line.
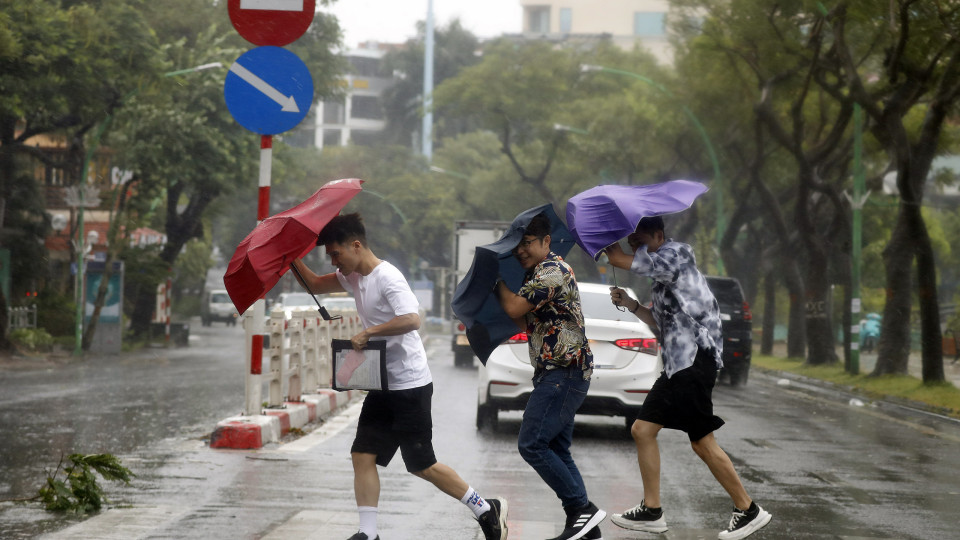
x=333, y=112
x=365, y=67
x=566, y=20
x=54, y=176
x=366, y=107
x=649, y=24
x=539, y=19
x=331, y=137
x=364, y=137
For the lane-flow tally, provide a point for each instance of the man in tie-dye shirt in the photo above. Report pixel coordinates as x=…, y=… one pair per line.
x=686, y=317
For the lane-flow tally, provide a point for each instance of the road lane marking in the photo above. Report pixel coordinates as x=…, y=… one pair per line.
x=307, y=523
x=121, y=524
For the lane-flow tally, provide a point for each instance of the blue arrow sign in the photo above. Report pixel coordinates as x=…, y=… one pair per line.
x=269, y=90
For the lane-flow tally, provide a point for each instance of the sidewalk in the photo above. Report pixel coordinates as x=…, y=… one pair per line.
x=951, y=370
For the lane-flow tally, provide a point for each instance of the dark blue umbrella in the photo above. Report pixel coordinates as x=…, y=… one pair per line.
x=603, y=215
x=474, y=303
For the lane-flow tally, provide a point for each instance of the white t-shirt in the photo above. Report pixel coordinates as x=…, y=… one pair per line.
x=381, y=296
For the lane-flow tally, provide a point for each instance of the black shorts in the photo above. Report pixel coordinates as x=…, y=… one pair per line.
x=685, y=400
x=397, y=419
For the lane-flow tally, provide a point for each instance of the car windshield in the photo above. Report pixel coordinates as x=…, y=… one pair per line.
x=298, y=299
x=220, y=298
x=727, y=291
x=599, y=306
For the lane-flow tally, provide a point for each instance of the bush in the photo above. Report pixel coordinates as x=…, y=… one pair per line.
x=56, y=313
x=32, y=339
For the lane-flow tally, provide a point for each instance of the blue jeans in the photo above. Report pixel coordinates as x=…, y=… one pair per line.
x=547, y=432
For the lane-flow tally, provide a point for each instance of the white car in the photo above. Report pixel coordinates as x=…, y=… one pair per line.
x=625, y=356
x=338, y=304
x=291, y=301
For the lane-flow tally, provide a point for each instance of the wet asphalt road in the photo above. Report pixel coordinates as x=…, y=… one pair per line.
x=824, y=468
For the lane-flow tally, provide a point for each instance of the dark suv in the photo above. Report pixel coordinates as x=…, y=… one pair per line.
x=737, y=323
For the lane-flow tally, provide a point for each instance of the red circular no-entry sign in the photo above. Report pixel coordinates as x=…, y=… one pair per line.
x=271, y=22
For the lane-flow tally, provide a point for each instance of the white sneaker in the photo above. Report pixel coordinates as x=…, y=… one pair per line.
x=744, y=523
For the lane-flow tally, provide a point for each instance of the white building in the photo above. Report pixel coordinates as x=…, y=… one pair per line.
x=627, y=22
x=359, y=117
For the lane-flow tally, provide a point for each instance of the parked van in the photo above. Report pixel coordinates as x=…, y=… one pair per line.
x=217, y=306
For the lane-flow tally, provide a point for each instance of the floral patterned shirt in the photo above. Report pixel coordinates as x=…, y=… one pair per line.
x=683, y=305
x=555, y=325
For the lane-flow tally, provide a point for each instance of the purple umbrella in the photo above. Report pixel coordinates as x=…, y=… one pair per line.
x=603, y=215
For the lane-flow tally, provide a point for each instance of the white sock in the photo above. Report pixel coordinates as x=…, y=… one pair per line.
x=368, y=521
x=475, y=502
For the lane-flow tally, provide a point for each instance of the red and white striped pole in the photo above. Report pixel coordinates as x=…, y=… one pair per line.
x=253, y=323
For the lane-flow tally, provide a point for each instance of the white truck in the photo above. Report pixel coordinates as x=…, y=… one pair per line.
x=467, y=235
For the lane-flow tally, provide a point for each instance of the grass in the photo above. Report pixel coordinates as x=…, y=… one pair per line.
x=942, y=397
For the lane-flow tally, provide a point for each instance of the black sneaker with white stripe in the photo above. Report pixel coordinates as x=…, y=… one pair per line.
x=582, y=521
x=743, y=523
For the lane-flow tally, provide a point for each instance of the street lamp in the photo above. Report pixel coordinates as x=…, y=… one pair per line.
x=87, y=158
x=717, y=177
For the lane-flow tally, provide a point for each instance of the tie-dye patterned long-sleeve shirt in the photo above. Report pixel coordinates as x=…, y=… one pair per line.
x=683, y=305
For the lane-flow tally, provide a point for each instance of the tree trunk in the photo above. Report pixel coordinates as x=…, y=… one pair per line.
x=931, y=338
x=797, y=330
x=893, y=349
x=7, y=172
x=769, y=313
x=820, y=338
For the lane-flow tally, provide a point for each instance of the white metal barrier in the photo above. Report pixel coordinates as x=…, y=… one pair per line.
x=21, y=317
x=299, y=355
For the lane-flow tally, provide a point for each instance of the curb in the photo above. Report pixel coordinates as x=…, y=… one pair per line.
x=810, y=384
x=251, y=432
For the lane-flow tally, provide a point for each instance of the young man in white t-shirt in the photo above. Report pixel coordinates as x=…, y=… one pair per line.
x=400, y=417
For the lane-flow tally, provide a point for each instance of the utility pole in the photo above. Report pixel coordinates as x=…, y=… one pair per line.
x=857, y=204
x=426, y=142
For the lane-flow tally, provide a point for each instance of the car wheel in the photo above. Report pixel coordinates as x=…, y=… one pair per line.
x=738, y=374
x=487, y=417
x=463, y=358
x=743, y=374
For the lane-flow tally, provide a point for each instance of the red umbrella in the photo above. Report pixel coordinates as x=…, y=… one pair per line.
x=266, y=253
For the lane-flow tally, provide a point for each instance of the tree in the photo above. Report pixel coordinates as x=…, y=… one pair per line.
x=454, y=49
x=63, y=69
x=527, y=94
x=182, y=143
x=919, y=43
x=772, y=49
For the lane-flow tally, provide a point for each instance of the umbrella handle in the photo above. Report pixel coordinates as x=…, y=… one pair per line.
x=323, y=311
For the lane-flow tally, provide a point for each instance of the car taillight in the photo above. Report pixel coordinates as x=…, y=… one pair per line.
x=518, y=338
x=747, y=316
x=461, y=327
x=644, y=345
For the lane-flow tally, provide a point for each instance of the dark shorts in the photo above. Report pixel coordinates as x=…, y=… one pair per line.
x=685, y=401
x=397, y=419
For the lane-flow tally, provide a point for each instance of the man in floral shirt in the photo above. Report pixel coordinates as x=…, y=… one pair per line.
x=547, y=307
x=687, y=318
